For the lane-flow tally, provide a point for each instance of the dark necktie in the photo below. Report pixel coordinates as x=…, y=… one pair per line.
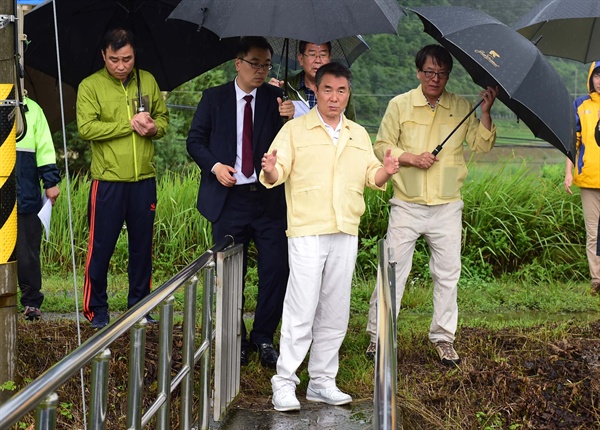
x=247, y=164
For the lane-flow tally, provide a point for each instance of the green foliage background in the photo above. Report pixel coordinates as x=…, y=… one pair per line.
x=517, y=222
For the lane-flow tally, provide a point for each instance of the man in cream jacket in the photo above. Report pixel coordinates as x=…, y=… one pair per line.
x=325, y=161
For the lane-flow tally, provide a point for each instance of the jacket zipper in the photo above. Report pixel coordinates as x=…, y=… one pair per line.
x=135, y=166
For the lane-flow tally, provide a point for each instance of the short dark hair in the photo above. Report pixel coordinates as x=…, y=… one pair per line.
x=117, y=38
x=336, y=69
x=438, y=54
x=303, y=43
x=250, y=42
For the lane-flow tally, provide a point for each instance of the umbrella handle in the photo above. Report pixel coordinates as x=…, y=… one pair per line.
x=286, y=44
x=438, y=148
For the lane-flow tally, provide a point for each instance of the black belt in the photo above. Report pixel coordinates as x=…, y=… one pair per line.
x=246, y=187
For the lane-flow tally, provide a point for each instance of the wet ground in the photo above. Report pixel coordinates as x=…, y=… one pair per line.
x=356, y=416
x=541, y=377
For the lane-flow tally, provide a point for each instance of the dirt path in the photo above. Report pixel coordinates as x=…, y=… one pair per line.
x=541, y=378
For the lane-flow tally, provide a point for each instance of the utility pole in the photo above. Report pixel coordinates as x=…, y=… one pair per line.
x=8, y=198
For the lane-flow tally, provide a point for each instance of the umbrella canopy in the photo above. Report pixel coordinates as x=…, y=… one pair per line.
x=44, y=89
x=317, y=21
x=496, y=55
x=564, y=28
x=344, y=50
x=174, y=52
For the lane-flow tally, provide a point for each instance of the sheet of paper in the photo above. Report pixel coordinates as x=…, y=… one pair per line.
x=45, y=214
x=300, y=108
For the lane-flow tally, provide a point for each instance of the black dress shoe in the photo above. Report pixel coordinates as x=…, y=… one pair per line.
x=151, y=320
x=243, y=357
x=267, y=354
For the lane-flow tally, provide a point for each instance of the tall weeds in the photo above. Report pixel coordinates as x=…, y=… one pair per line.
x=516, y=221
x=180, y=233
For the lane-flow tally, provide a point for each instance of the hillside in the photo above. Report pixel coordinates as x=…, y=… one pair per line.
x=388, y=67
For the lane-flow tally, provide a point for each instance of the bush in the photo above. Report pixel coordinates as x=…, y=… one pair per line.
x=515, y=222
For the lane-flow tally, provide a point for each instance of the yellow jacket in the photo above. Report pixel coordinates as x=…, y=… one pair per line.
x=587, y=161
x=324, y=183
x=409, y=125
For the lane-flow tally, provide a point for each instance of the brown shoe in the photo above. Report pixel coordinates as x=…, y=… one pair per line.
x=371, y=350
x=595, y=288
x=448, y=355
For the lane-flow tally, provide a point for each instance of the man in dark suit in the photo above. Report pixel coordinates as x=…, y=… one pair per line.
x=229, y=119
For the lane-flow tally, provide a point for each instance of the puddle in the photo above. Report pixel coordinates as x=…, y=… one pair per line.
x=313, y=416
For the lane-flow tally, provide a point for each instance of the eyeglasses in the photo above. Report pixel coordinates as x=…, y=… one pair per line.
x=258, y=66
x=313, y=55
x=429, y=74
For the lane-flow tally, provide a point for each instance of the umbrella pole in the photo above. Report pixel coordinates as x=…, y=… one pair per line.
x=438, y=148
x=286, y=45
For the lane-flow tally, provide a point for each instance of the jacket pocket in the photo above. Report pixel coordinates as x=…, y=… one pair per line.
x=411, y=181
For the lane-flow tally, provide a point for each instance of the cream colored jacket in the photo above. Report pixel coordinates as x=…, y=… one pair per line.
x=409, y=125
x=324, y=183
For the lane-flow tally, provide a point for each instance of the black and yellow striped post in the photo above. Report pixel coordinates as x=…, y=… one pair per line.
x=8, y=234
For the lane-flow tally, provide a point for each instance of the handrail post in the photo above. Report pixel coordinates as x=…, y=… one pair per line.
x=45, y=413
x=98, y=390
x=384, y=398
x=136, y=374
x=207, y=330
x=165, y=351
x=392, y=283
x=187, y=356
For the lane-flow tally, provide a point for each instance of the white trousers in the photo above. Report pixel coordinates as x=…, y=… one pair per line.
x=590, y=201
x=441, y=225
x=316, y=308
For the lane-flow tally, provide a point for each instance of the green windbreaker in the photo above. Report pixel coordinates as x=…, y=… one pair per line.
x=104, y=110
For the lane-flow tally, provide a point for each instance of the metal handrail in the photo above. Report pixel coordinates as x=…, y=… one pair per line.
x=386, y=369
x=42, y=388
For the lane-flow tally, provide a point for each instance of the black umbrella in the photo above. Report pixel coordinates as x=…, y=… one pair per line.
x=44, y=89
x=496, y=55
x=564, y=28
x=316, y=21
x=174, y=52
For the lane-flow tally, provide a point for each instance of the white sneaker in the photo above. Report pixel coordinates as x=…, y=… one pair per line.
x=285, y=399
x=331, y=396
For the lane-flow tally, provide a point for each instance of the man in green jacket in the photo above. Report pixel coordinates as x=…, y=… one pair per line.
x=120, y=110
x=301, y=87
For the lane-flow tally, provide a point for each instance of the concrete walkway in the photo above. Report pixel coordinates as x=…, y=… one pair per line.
x=313, y=416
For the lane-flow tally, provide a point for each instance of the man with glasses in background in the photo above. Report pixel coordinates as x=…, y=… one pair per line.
x=232, y=128
x=301, y=87
x=427, y=200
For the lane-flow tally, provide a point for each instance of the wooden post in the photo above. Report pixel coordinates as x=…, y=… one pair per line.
x=8, y=200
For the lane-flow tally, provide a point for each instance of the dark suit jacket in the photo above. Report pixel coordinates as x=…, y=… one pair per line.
x=212, y=139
